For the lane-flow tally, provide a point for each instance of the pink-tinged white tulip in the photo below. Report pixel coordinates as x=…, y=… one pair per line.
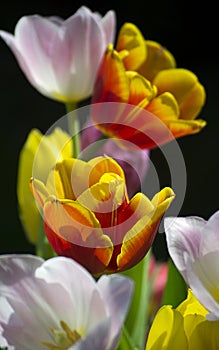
x=193, y=244
x=58, y=302
x=60, y=58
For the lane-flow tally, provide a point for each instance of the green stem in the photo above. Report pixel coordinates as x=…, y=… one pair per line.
x=74, y=127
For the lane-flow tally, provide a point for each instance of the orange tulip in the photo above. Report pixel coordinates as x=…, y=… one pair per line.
x=89, y=217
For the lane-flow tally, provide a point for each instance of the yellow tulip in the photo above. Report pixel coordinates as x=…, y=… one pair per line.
x=184, y=328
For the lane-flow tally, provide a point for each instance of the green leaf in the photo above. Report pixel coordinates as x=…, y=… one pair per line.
x=125, y=342
x=176, y=289
x=137, y=319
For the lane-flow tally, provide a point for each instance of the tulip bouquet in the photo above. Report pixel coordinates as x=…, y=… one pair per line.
x=94, y=282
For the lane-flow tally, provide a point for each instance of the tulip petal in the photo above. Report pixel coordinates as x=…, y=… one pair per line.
x=132, y=42
x=109, y=24
x=59, y=269
x=208, y=244
x=84, y=54
x=35, y=37
x=138, y=240
x=39, y=191
x=167, y=331
x=112, y=83
x=105, y=164
x=117, y=294
x=94, y=338
x=182, y=127
x=191, y=306
x=185, y=87
x=65, y=179
x=140, y=88
x=158, y=58
x=74, y=231
x=205, y=336
x=184, y=236
x=104, y=198
x=164, y=107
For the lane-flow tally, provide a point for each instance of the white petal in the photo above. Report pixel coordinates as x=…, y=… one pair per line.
x=183, y=235
x=200, y=291
x=109, y=26
x=210, y=236
x=97, y=339
x=88, y=307
x=86, y=42
x=35, y=40
x=117, y=292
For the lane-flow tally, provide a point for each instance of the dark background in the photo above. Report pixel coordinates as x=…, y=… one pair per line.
x=188, y=30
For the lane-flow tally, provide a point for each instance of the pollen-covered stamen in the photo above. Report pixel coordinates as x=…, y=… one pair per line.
x=63, y=339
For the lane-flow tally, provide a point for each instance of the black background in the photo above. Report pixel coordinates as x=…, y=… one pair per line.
x=188, y=30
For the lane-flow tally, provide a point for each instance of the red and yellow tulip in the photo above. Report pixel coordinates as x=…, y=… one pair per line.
x=165, y=100
x=89, y=217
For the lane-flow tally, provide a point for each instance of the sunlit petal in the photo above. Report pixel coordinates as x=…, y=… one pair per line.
x=132, y=42
x=158, y=58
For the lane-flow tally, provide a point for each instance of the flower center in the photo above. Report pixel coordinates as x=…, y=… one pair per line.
x=62, y=338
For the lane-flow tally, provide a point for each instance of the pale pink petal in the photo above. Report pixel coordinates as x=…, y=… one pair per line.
x=193, y=245
x=87, y=49
x=116, y=292
x=97, y=339
x=11, y=42
x=109, y=26
x=210, y=236
x=183, y=235
x=35, y=38
x=195, y=281
x=68, y=272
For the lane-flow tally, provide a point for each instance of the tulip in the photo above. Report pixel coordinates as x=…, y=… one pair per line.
x=185, y=327
x=43, y=305
x=60, y=58
x=193, y=244
x=44, y=151
x=135, y=163
x=166, y=100
x=89, y=217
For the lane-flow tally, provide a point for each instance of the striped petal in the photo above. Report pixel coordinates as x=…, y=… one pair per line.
x=182, y=127
x=164, y=107
x=139, y=88
x=140, y=237
x=111, y=83
x=74, y=231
